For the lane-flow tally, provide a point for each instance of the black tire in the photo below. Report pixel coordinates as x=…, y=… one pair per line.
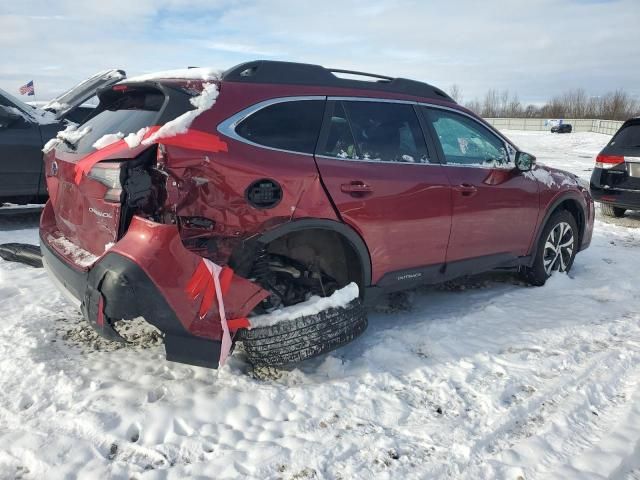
x=536, y=274
x=305, y=337
x=21, y=253
x=611, y=211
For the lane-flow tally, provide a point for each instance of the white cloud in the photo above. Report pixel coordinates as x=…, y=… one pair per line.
x=533, y=48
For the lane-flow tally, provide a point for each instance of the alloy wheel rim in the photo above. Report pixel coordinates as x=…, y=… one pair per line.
x=558, y=249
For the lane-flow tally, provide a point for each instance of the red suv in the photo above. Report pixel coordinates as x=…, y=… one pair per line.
x=199, y=201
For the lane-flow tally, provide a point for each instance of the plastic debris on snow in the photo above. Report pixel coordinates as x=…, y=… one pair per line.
x=179, y=125
x=313, y=306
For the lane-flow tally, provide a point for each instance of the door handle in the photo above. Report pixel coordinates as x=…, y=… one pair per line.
x=356, y=187
x=466, y=190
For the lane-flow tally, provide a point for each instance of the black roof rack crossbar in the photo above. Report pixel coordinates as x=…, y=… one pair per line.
x=291, y=73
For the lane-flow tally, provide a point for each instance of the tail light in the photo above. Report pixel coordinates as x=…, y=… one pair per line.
x=108, y=174
x=608, y=161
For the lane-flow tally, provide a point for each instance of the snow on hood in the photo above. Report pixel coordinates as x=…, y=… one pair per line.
x=181, y=124
x=314, y=305
x=552, y=177
x=207, y=74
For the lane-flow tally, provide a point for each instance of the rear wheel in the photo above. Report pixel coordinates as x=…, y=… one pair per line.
x=556, y=249
x=305, y=337
x=292, y=281
x=611, y=211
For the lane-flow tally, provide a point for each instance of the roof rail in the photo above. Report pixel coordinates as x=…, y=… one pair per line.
x=292, y=73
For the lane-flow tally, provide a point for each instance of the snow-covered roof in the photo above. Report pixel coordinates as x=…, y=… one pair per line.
x=200, y=73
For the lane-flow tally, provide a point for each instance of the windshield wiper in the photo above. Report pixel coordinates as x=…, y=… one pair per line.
x=68, y=143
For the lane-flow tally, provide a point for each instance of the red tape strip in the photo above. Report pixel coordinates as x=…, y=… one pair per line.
x=191, y=139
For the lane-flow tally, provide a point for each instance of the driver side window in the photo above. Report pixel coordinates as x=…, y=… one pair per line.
x=466, y=142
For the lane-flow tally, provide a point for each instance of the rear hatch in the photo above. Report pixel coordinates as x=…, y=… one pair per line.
x=88, y=210
x=63, y=105
x=620, y=159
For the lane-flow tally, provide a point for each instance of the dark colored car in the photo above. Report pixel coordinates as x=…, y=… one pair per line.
x=25, y=129
x=562, y=128
x=615, y=181
x=295, y=181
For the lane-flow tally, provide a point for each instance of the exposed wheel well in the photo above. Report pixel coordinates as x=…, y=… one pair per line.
x=574, y=208
x=326, y=249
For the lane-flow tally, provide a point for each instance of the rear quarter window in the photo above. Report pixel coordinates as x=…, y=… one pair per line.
x=292, y=126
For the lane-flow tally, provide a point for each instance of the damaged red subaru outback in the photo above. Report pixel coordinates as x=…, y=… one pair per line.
x=266, y=204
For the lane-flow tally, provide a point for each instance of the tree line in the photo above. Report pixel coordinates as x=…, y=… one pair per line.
x=575, y=103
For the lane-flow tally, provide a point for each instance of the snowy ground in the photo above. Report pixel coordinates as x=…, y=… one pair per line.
x=483, y=379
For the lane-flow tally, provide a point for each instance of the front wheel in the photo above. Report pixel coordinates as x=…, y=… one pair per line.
x=556, y=248
x=611, y=211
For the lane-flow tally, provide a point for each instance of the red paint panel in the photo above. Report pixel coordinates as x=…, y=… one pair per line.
x=404, y=220
x=146, y=242
x=497, y=214
x=192, y=139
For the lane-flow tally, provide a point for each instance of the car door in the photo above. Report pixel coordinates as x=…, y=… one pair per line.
x=384, y=182
x=20, y=155
x=495, y=206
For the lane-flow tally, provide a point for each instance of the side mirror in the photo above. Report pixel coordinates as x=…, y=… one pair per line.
x=525, y=161
x=8, y=117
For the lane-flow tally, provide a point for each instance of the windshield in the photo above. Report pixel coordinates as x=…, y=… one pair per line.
x=119, y=113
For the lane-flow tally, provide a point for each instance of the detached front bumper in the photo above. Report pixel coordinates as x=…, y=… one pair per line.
x=146, y=274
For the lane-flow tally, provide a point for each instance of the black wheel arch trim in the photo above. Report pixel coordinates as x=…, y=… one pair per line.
x=573, y=196
x=346, y=231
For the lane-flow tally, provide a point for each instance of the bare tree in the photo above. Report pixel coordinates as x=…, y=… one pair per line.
x=455, y=92
x=575, y=103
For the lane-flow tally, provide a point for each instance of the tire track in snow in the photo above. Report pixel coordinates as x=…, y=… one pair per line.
x=564, y=401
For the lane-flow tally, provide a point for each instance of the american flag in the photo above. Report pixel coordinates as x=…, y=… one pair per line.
x=28, y=89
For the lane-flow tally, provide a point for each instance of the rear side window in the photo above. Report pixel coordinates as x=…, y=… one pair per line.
x=376, y=131
x=627, y=138
x=125, y=113
x=292, y=126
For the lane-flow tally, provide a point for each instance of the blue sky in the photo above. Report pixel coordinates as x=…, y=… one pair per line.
x=533, y=48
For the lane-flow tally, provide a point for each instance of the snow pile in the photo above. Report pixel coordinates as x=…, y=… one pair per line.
x=314, y=305
x=135, y=139
x=50, y=145
x=207, y=74
x=181, y=124
x=71, y=135
x=497, y=381
x=79, y=256
x=56, y=106
x=107, y=140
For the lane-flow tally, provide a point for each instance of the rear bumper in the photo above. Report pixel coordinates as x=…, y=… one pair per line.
x=149, y=273
x=629, y=199
x=127, y=292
